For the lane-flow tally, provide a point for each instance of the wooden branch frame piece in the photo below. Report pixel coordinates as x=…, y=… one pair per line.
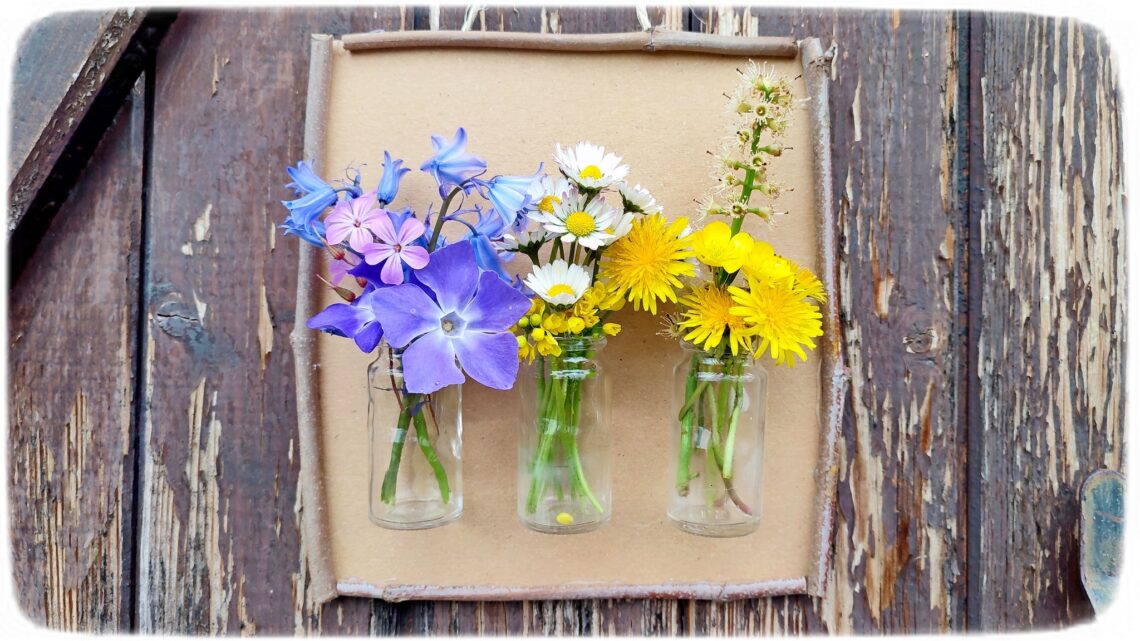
x=320, y=475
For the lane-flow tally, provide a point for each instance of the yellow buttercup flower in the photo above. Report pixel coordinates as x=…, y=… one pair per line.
x=716, y=246
x=706, y=316
x=611, y=329
x=648, y=260
x=781, y=318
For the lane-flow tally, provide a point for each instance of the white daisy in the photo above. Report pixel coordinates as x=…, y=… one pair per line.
x=559, y=282
x=590, y=166
x=638, y=199
x=524, y=240
x=576, y=221
x=624, y=224
x=548, y=192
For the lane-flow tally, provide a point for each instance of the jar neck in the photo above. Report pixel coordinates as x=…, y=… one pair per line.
x=741, y=359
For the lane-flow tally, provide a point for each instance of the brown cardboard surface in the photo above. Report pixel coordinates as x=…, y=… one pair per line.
x=661, y=112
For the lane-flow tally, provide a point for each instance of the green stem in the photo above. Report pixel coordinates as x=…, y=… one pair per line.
x=440, y=219
x=388, y=489
x=547, y=429
x=570, y=443
x=431, y=455
x=686, y=447
x=693, y=398
x=730, y=439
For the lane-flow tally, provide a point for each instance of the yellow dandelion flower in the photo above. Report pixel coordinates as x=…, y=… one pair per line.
x=809, y=285
x=781, y=318
x=716, y=246
x=706, y=316
x=648, y=260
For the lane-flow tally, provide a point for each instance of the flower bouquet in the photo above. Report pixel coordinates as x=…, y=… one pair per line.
x=433, y=311
x=579, y=221
x=747, y=301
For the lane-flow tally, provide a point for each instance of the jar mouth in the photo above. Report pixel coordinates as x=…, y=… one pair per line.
x=742, y=356
x=592, y=341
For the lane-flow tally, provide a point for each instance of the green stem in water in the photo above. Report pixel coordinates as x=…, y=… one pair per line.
x=388, y=489
x=730, y=438
x=547, y=429
x=692, y=399
x=432, y=456
x=570, y=443
x=686, y=447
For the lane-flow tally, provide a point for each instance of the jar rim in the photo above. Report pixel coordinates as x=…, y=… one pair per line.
x=574, y=338
x=744, y=355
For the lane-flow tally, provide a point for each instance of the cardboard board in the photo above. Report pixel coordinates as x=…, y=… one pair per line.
x=661, y=112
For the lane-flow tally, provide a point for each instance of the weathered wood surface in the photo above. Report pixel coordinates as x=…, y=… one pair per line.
x=1050, y=286
x=967, y=270
x=65, y=39
x=72, y=333
x=103, y=51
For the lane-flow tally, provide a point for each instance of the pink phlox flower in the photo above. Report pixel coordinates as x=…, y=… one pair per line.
x=356, y=221
x=396, y=249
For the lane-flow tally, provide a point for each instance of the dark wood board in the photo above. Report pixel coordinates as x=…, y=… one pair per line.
x=49, y=55
x=72, y=334
x=947, y=198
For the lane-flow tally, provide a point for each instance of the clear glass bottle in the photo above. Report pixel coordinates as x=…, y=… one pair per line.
x=564, y=474
x=717, y=443
x=416, y=474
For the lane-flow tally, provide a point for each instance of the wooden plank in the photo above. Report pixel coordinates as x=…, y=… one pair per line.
x=72, y=335
x=106, y=49
x=64, y=144
x=1049, y=285
x=899, y=553
x=50, y=55
x=220, y=543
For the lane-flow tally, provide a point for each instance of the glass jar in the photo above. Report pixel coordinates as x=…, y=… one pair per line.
x=564, y=444
x=717, y=444
x=416, y=474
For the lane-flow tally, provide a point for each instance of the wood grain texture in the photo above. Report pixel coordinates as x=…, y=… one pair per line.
x=220, y=545
x=50, y=54
x=1050, y=328
x=72, y=334
x=114, y=34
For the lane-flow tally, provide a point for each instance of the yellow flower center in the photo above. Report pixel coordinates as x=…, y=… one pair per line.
x=548, y=202
x=591, y=171
x=580, y=223
x=560, y=288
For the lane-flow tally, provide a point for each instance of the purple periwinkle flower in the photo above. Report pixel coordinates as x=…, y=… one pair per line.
x=453, y=319
x=356, y=320
x=356, y=221
x=396, y=249
x=390, y=182
x=451, y=166
x=509, y=194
